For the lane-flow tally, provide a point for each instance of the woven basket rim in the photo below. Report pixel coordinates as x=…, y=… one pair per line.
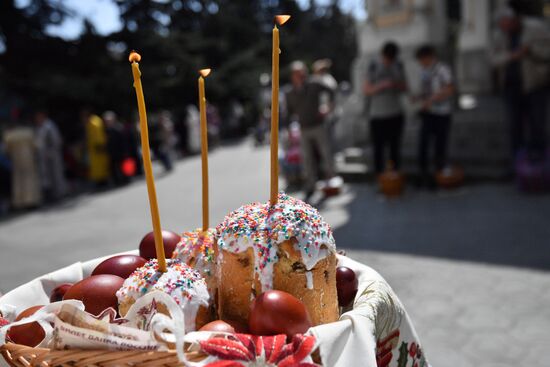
x=12, y=345
x=17, y=355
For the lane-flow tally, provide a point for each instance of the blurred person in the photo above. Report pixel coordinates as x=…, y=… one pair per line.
x=321, y=74
x=214, y=121
x=291, y=157
x=131, y=134
x=384, y=87
x=49, y=145
x=264, y=110
x=96, y=148
x=20, y=146
x=182, y=132
x=234, y=118
x=437, y=90
x=520, y=49
x=304, y=104
x=5, y=180
x=164, y=139
x=117, y=147
x=193, y=123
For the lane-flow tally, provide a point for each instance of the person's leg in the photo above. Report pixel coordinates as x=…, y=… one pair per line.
x=515, y=109
x=442, y=130
x=395, y=132
x=164, y=158
x=377, y=139
x=322, y=142
x=308, y=162
x=536, y=107
x=423, y=142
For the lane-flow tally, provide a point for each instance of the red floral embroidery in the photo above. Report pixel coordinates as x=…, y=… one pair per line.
x=241, y=350
x=412, y=349
x=384, y=348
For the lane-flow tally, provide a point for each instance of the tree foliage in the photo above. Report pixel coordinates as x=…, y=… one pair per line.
x=175, y=38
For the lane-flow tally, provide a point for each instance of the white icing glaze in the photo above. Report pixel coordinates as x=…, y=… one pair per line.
x=309, y=279
x=185, y=285
x=263, y=227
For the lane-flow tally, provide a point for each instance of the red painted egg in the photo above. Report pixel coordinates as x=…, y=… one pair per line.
x=59, y=291
x=30, y=334
x=218, y=325
x=120, y=265
x=97, y=292
x=147, y=245
x=277, y=312
x=346, y=284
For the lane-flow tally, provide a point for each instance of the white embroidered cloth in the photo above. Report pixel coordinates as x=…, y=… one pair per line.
x=377, y=332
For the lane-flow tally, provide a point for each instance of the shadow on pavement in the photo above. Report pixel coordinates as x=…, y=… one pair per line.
x=488, y=223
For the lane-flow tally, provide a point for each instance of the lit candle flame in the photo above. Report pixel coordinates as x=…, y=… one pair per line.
x=281, y=19
x=134, y=57
x=205, y=72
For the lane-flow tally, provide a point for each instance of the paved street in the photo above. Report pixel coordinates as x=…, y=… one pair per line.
x=471, y=267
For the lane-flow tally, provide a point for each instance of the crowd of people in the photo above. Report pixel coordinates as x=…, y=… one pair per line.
x=519, y=54
x=38, y=167
x=385, y=84
x=309, y=101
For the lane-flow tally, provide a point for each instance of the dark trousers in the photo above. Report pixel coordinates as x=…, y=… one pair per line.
x=434, y=131
x=386, y=132
x=527, y=119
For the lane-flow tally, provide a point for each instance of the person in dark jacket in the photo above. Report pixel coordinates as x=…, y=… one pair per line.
x=436, y=107
x=117, y=146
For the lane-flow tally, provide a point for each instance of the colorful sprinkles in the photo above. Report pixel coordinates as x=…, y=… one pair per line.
x=180, y=281
x=264, y=226
x=198, y=245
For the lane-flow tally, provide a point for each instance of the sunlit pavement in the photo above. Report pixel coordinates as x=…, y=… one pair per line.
x=463, y=263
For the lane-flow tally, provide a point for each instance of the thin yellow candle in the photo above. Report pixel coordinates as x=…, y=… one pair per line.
x=204, y=149
x=147, y=166
x=279, y=19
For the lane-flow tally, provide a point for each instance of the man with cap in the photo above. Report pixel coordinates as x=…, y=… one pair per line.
x=307, y=104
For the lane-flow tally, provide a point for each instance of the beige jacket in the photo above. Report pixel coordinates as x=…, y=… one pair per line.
x=535, y=65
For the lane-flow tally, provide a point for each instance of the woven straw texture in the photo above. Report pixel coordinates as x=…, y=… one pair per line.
x=22, y=356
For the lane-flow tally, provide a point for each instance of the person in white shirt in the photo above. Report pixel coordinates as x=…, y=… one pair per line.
x=384, y=86
x=436, y=111
x=49, y=144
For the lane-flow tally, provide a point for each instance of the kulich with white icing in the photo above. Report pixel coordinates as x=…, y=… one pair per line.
x=184, y=284
x=287, y=246
x=198, y=249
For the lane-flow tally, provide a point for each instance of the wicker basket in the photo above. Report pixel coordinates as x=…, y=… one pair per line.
x=22, y=356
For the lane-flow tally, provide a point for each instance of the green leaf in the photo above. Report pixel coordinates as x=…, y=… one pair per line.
x=403, y=355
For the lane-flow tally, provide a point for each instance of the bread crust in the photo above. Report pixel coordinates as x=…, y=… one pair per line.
x=320, y=296
x=239, y=283
x=236, y=285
